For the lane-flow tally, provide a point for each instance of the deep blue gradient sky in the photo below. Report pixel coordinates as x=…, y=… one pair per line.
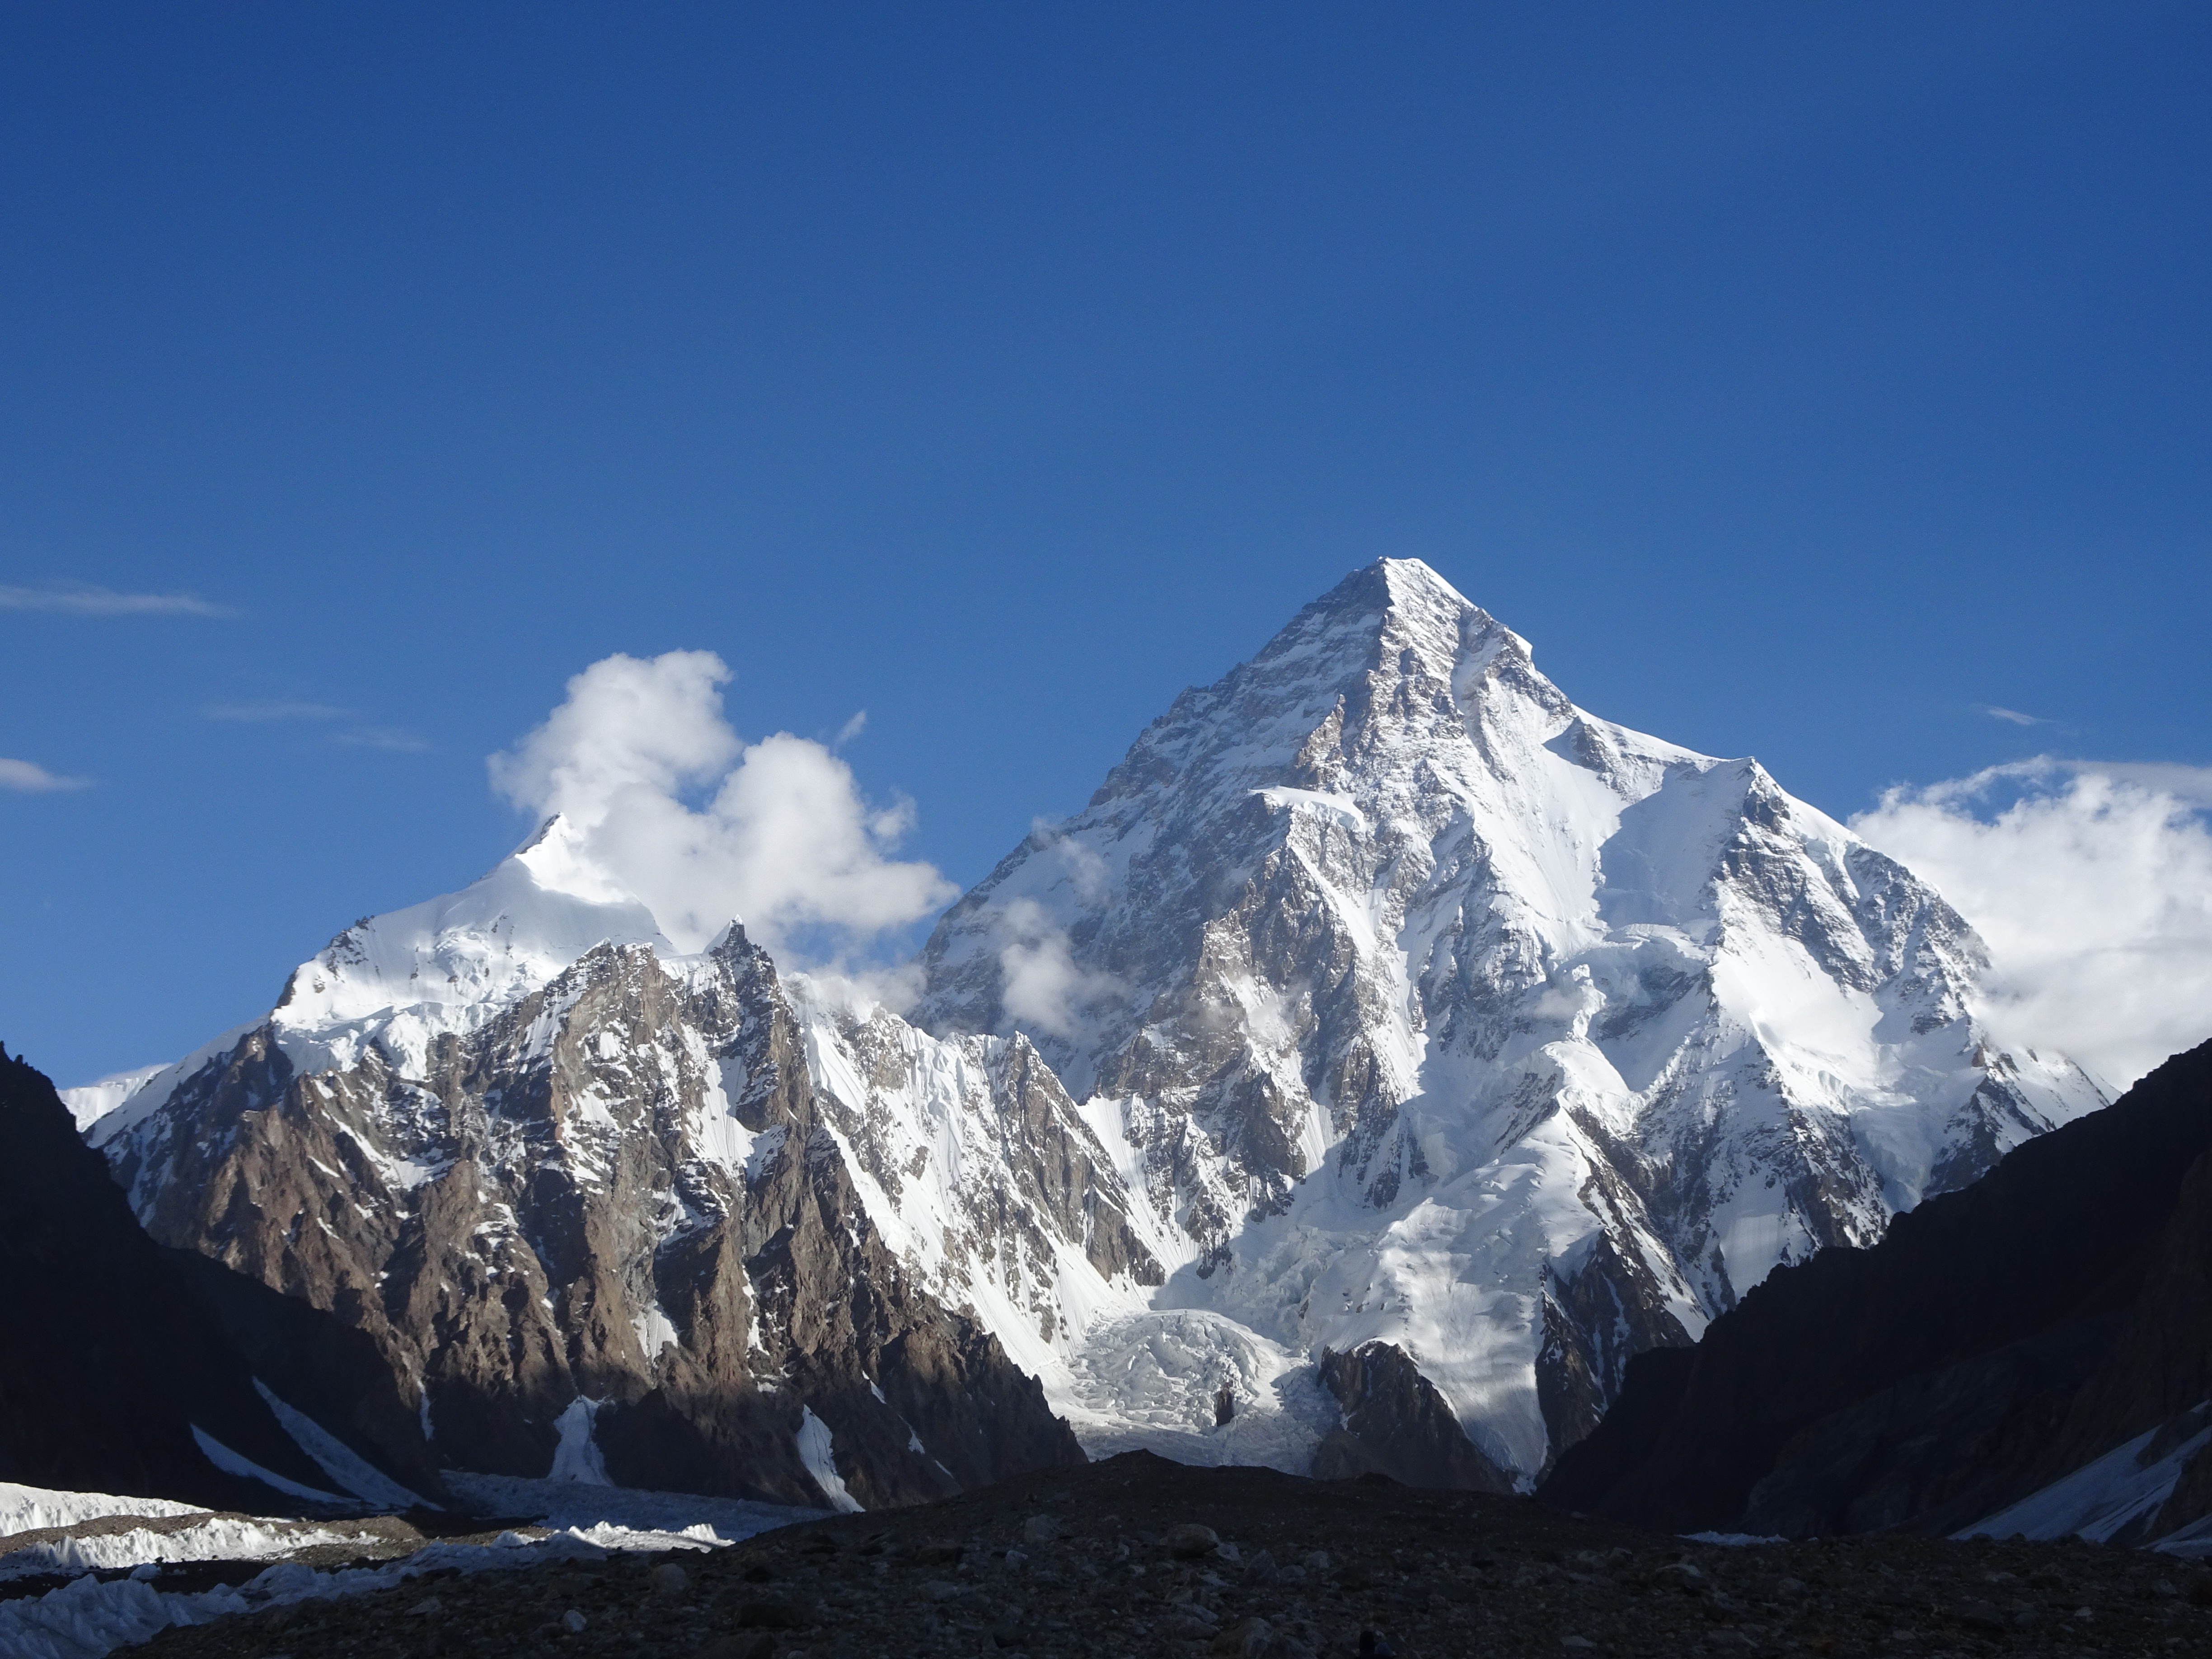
x=1799, y=379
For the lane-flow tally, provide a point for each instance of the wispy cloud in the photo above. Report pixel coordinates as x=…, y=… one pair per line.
x=285, y=711
x=2012, y=716
x=266, y=713
x=383, y=736
x=29, y=778
x=83, y=599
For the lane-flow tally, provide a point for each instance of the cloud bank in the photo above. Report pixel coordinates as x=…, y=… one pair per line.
x=782, y=838
x=29, y=778
x=2092, y=886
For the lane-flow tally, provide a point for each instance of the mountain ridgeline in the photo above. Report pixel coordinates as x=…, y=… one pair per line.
x=1388, y=1053
x=1996, y=1340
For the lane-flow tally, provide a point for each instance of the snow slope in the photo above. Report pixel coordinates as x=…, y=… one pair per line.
x=1432, y=1009
x=2113, y=1496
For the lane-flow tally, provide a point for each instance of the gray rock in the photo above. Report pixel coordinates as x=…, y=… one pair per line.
x=1395, y=1423
x=772, y=1612
x=1190, y=1541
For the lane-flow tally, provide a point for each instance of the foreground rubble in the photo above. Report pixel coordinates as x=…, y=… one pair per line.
x=1137, y=1556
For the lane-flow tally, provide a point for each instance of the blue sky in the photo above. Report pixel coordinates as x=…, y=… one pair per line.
x=1804, y=381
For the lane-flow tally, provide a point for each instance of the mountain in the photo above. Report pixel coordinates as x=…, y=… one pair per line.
x=1382, y=1009
x=115, y=1375
x=573, y=1189
x=2033, y=1353
x=1423, y=1007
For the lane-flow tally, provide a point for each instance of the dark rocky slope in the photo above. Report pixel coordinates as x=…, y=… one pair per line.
x=109, y=1355
x=1135, y=1556
x=1396, y=1424
x=1997, y=1338
x=618, y=1191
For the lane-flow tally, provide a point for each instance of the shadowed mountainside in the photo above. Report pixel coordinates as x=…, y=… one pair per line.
x=111, y=1356
x=1996, y=1339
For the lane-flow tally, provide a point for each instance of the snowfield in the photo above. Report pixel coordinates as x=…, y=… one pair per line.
x=91, y=1616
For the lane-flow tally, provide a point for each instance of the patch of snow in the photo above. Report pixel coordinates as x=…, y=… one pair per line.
x=32, y=1509
x=88, y=1618
x=565, y=1504
x=2097, y=1500
x=653, y=1329
x=218, y=1538
x=815, y=1451
x=231, y=1462
x=577, y=1456
x=352, y=1472
x=1149, y=1381
x=89, y=1102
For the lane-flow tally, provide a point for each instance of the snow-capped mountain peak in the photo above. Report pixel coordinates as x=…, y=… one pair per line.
x=1533, y=1038
x=447, y=964
x=1382, y=1005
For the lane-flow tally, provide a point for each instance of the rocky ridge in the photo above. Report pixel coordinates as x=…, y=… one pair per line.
x=593, y=1221
x=2029, y=1354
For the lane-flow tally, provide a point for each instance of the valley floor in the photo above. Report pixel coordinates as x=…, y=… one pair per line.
x=1092, y=1562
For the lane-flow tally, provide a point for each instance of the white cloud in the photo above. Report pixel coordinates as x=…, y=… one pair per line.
x=81, y=599
x=2012, y=716
x=1039, y=985
x=784, y=840
x=2092, y=884
x=29, y=778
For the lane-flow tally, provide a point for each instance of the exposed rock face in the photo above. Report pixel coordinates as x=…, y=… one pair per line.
x=1432, y=1010
x=591, y=1215
x=982, y=1173
x=110, y=1359
x=1396, y=1424
x=1996, y=1339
